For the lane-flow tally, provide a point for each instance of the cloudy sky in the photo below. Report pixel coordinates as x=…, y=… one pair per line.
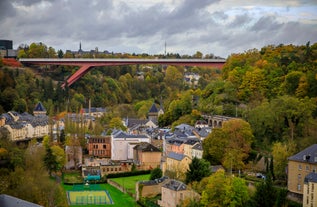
x=143, y=26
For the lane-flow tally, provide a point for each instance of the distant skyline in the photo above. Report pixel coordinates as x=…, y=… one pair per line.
x=143, y=26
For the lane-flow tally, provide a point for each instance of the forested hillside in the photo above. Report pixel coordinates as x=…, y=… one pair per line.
x=274, y=89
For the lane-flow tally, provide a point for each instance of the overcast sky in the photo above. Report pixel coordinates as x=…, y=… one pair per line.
x=143, y=26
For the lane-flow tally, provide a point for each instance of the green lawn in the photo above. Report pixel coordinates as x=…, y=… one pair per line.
x=129, y=182
x=119, y=198
x=74, y=177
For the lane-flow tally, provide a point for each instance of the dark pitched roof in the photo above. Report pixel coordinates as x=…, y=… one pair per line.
x=198, y=146
x=307, y=155
x=133, y=122
x=10, y=201
x=175, y=185
x=121, y=134
x=153, y=109
x=191, y=141
x=311, y=177
x=39, y=107
x=175, y=156
x=146, y=147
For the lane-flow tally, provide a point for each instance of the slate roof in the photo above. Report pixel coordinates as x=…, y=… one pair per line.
x=121, y=134
x=135, y=122
x=175, y=185
x=175, y=156
x=198, y=146
x=311, y=177
x=191, y=141
x=95, y=109
x=39, y=107
x=308, y=155
x=146, y=147
x=153, y=109
x=10, y=201
x=154, y=182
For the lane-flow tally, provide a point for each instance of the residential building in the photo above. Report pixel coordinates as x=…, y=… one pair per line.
x=197, y=150
x=188, y=147
x=299, y=166
x=139, y=126
x=24, y=126
x=150, y=188
x=147, y=156
x=174, y=192
x=99, y=146
x=39, y=110
x=178, y=164
x=310, y=190
x=122, y=144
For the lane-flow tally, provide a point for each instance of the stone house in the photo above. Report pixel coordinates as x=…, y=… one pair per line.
x=310, y=190
x=174, y=192
x=197, y=150
x=147, y=156
x=149, y=188
x=299, y=166
x=177, y=163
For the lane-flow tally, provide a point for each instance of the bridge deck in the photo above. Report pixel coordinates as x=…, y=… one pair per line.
x=86, y=63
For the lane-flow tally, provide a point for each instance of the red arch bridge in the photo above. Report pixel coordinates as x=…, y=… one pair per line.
x=86, y=64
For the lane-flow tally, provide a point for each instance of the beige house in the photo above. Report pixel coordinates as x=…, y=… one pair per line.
x=174, y=192
x=188, y=147
x=149, y=188
x=197, y=150
x=178, y=164
x=147, y=156
x=299, y=166
x=310, y=190
x=24, y=126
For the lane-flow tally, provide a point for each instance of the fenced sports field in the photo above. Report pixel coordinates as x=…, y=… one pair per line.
x=85, y=195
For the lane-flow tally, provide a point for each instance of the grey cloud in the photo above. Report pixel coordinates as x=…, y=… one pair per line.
x=266, y=23
x=240, y=20
x=6, y=9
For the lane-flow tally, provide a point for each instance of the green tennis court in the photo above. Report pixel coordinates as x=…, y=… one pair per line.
x=89, y=197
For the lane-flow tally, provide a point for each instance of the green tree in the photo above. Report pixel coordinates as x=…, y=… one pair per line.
x=230, y=144
x=156, y=173
x=50, y=161
x=59, y=155
x=116, y=123
x=265, y=194
x=280, y=153
x=198, y=169
x=225, y=191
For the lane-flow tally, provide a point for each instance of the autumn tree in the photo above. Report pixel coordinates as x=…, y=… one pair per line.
x=280, y=153
x=222, y=190
x=229, y=145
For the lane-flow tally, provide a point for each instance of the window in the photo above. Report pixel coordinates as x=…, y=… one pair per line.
x=105, y=146
x=299, y=177
x=299, y=167
x=298, y=187
x=307, y=167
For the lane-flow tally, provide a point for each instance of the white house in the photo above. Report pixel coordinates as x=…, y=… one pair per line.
x=122, y=144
